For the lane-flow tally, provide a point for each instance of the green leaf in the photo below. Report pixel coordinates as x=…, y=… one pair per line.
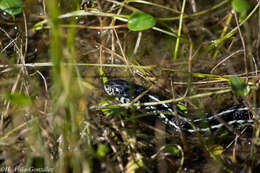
x=241, y=5
x=172, y=149
x=239, y=86
x=12, y=7
x=139, y=21
x=182, y=108
x=18, y=99
x=102, y=150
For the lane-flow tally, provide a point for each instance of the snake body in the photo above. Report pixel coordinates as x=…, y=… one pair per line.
x=126, y=92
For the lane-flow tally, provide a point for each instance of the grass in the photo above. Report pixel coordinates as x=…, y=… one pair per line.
x=51, y=116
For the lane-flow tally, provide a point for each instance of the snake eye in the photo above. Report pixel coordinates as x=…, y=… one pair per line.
x=108, y=90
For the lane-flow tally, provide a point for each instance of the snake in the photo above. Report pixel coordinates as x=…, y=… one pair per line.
x=126, y=92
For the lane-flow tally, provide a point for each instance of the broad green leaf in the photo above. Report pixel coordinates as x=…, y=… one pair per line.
x=173, y=149
x=102, y=150
x=241, y=6
x=239, y=86
x=12, y=7
x=18, y=99
x=139, y=21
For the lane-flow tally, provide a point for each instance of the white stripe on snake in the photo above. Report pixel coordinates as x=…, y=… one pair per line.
x=125, y=92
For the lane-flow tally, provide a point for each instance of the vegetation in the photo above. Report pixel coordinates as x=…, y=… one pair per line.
x=56, y=55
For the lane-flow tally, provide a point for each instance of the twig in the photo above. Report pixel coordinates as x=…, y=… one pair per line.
x=195, y=14
x=137, y=44
x=222, y=61
x=243, y=43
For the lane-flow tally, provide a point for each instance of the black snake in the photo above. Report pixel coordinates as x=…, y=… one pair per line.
x=126, y=92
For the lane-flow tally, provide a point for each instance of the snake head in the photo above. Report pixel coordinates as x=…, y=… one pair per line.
x=116, y=87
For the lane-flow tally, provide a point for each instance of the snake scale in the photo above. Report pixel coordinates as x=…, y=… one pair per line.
x=126, y=92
